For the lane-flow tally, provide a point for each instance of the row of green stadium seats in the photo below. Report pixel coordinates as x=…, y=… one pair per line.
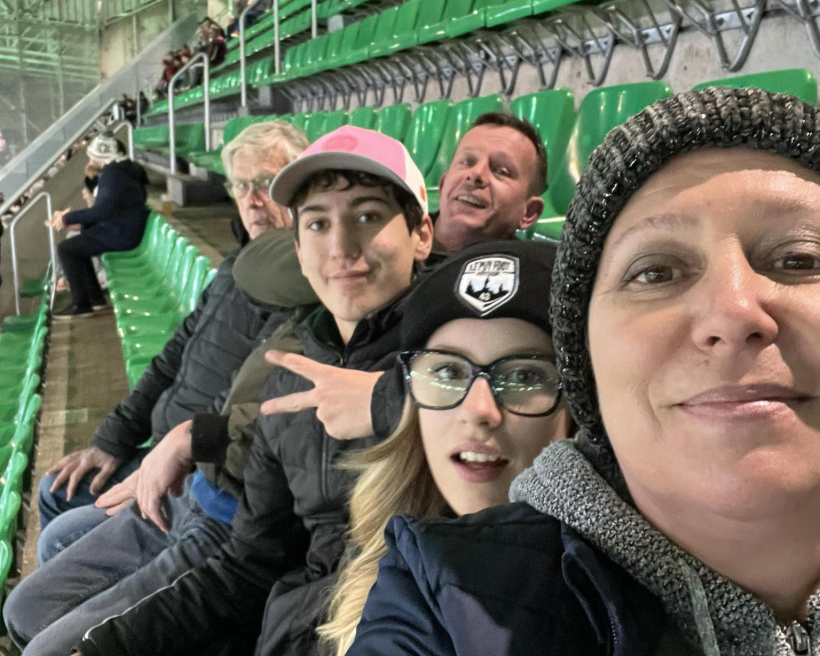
x=153, y=288
x=432, y=131
x=410, y=24
x=22, y=344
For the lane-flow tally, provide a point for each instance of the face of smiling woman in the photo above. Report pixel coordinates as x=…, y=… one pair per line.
x=704, y=333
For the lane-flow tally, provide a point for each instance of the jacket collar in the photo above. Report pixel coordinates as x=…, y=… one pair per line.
x=374, y=336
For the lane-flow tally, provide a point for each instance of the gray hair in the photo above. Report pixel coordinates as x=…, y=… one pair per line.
x=262, y=138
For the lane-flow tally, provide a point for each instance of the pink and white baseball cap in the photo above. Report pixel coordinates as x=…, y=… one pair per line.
x=352, y=149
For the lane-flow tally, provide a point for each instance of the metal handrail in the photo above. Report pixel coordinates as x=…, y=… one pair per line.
x=277, y=56
x=206, y=86
x=130, y=129
x=314, y=20
x=243, y=102
x=49, y=163
x=15, y=271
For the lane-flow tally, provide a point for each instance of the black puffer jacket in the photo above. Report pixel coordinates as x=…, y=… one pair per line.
x=118, y=215
x=288, y=533
x=193, y=370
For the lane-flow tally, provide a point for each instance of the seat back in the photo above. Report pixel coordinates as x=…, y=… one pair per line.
x=600, y=111
x=174, y=263
x=184, y=271
x=552, y=114
x=394, y=120
x=430, y=12
x=425, y=132
x=367, y=29
x=314, y=124
x=334, y=120
x=198, y=279
x=363, y=117
x=796, y=81
x=460, y=119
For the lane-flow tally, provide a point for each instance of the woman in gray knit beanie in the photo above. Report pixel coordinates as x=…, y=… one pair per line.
x=686, y=319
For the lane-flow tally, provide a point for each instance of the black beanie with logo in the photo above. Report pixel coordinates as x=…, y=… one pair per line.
x=491, y=280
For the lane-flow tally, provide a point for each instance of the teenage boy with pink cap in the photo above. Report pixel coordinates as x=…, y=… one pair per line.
x=362, y=228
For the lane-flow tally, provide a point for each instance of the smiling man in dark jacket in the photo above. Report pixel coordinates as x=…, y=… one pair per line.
x=361, y=227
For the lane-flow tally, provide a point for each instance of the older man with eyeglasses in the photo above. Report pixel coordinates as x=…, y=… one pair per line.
x=192, y=374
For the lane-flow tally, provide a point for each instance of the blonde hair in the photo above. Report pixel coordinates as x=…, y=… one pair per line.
x=262, y=138
x=394, y=478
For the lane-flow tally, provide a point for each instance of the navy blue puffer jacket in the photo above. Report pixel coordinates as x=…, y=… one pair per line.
x=509, y=581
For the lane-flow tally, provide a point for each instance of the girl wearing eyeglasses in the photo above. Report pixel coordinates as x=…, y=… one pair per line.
x=482, y=400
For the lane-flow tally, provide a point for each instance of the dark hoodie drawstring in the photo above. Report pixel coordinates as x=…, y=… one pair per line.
x=700, y=610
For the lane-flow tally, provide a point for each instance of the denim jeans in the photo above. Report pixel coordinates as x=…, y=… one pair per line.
x=63, y=522
x=105, y=572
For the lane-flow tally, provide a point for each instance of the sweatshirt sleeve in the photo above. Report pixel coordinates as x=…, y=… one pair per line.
x=230, y=590
x=112, y=185
x=401, y=616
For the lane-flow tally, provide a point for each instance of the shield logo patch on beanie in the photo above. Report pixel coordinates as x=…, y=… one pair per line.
x=487, y=282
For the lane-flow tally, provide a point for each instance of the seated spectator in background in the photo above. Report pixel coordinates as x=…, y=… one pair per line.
x=361, y=229
x=114, y=223
x=683, y=519
x=483, y=400
x=169, y=69
x=250, y=18
x=89, y=194
x=216, y=49
x=142, y=101
x=125, y=558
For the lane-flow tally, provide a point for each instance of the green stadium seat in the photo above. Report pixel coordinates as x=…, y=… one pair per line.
x=459, y=120
x=452, y=10
x=425, y=132
x=394, y=120
x=314, y=125
x=363, y=117
x=506, y=11
x=552, y=113
x=546, y=6
x=796, y=81
x=299, y=121
x=334, y=120
x=403, y=34
x=367, y=30
x=315, y=50
x=470, y=21
x=600, y=111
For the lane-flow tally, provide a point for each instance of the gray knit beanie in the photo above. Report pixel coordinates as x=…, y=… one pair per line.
x=104, y=148
x=630, y=154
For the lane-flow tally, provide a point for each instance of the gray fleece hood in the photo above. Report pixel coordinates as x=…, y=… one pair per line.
x=715, y=616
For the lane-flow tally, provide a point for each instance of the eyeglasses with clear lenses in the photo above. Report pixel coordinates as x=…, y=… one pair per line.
x=525, y=385
x=241, y=188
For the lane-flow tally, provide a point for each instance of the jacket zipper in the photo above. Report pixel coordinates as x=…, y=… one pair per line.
x=799, y=638
x=326, y=445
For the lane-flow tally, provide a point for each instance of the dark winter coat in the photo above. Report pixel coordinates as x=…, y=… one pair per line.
x=194, y=370
x=509, y=581
x=288, y=533
x=117, y=218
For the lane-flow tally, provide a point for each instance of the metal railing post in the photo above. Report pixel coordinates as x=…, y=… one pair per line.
x=314, y=22
x=130, y=129
x=52, y=249
x=277, y=64
x=242, y=55
x=206, y=86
